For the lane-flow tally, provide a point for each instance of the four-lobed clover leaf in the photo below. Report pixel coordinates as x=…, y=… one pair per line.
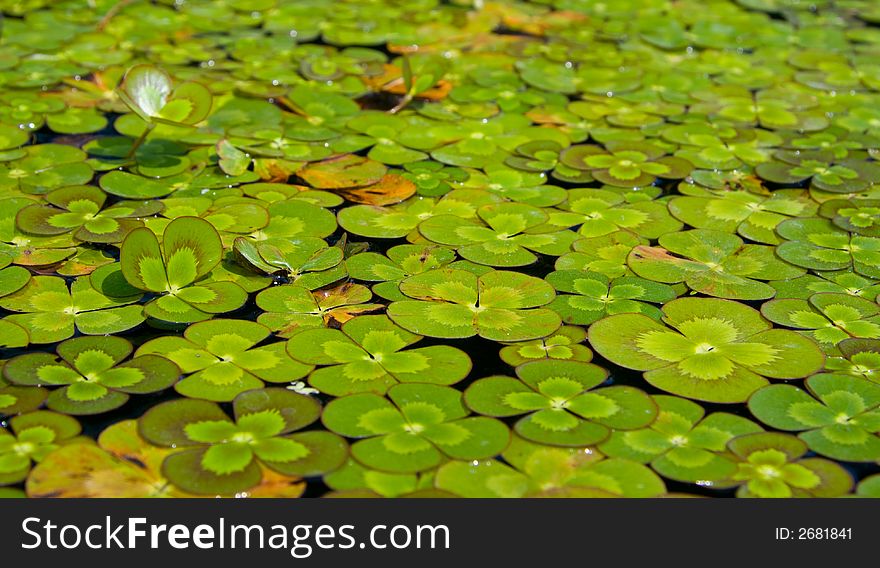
x=223, y=359
x=368, y=354
x=402, y=219
x=563, y=344
x=818, y=244
x=604, y=255
x=860, y=216
x=713, y=350
x=838, y=415
x=587, y=296
x=456, y=303
x=626, y=164
x=509, y=237
x=824, y=171
x=308, y=261
x=289, y=309
x=50, y=311
x=416, y=428
x=542, y=471
x=397, y=263
x=33, y=436
x=858, y=358
x=600, y=212
x=684, y=443
x=752, y=216
x=561, y=402
x=827, y=317
x=93, y=374
x=218, y=455
x=770, y=465
x=190, y=249
x=714, y=263
x=80, y=210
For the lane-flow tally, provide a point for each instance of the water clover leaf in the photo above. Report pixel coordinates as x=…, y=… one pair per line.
x=25, y=249
x=541, y=471
x=50, y=311
x=353, y=477
x=132, y=186
x=33, y=436
x=295, y=218
x=584, y=297
x=80, y=210
x=13, y=335
x=190, y=249
x=818, y=244
x=12, y=137
x=626, y=164
x=712, y=262
x=13, y=279
x=564, y=344
x=384, y=134
x=514, y=185
x=601, y=212
x=399, y=262
x=218, y=455
x=840, y=282
x=368, y=354
x=231, y=215
x=433, y=179
x=770, y=464
x=752, y=216
x=838, y=415
x=684, y=443
x=603, y=255
x=93, y=374
x=858, y=216
x=222, y=359
x=714, y=350
x=149, y=92
x=561, y=403
x=400, y=220
x=306, y=261
x=289, y=309
x=825, y=173
x=44, y=167
x=19, y=400
x=455, y=303
x=506, y=239
x=415, y=430
x=858, y=358
x=827, y=317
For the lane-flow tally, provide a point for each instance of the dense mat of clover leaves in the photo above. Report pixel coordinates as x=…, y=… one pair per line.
x=274, y=249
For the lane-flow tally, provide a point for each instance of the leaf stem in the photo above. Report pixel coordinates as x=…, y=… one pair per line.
x=140, y=140
x=401, y=105
x=111, y=13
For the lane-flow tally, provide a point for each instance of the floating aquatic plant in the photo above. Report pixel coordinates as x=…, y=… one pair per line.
x=414, y=428
x=221, y=455
x=93, y=374
x=387, y=210
x=713, y=350
x=190, y=249
x=368, y=354
x=222, y=359
x=561, y=403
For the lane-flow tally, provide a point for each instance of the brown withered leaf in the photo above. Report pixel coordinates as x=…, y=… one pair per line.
x=391, y=189
x=344, y=171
